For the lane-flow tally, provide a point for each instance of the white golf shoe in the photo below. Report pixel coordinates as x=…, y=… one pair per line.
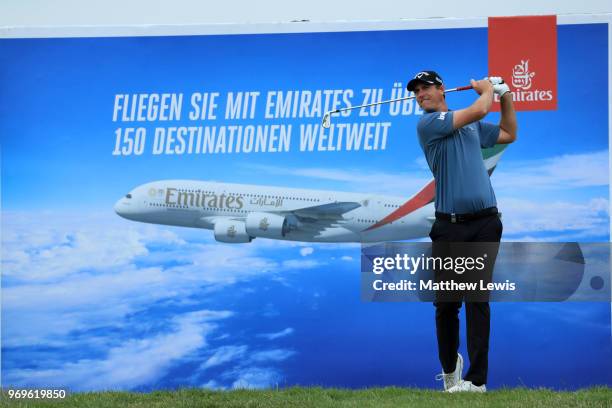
x=454, y=378
x=467, y=386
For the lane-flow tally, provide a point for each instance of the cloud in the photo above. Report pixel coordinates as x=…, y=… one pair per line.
x=524, y=217
x=221, y=263
x=46, y=313
x=223, y=355
x=254, y=377
x=58, y=270
x=277, y=335
x=49, y=246
x=271, y=355
x=306, y=251
x=560, y=198
x=89, y=284
x=133, y=363
x=250, y=370
x=554, y=173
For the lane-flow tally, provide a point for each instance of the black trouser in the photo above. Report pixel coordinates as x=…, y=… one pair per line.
x=478, y=315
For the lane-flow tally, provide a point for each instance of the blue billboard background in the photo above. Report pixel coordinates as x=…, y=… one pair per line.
x=91, y=301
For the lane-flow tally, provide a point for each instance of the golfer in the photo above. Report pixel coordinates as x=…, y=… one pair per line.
x=466, y=209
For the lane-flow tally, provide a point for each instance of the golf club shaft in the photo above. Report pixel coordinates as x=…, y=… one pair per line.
x=461, y=88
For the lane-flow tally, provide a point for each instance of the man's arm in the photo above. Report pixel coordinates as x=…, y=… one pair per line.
x=479, y=108
x=507, y=124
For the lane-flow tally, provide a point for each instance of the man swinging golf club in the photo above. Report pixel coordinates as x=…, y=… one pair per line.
x=466, y=209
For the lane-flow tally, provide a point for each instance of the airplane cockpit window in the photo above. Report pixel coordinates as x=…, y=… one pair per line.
x=128, y=196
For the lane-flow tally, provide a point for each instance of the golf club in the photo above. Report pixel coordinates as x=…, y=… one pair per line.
x=327, y=117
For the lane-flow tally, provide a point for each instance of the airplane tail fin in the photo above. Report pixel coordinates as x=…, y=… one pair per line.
x=492, y=155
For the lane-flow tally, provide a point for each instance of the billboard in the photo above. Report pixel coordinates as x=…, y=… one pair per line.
x=92, y=299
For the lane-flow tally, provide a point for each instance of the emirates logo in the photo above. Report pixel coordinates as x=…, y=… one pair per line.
x=264, y=224
x=528, y=64
x=521, y=77
x=522, y=80
x=231, y=231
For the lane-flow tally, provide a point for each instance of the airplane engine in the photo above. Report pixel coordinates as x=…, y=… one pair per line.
x=266, y=225
x=231, y=232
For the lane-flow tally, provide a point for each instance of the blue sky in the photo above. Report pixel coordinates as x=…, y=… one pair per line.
x=86, y=293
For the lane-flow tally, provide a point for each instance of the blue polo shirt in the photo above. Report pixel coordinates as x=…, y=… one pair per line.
x=455, y=159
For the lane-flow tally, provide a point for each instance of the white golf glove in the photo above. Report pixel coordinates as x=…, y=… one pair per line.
x=495, y=80
x=499, y=86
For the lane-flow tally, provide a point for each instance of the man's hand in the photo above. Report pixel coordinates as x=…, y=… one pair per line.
x=482, y=86
x=501, y=89
x=499, y=86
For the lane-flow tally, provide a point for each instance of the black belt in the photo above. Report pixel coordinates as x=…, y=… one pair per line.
x=454, y=218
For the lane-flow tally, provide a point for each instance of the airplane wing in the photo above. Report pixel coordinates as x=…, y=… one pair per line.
x=319, y=217
x=314, y=219
x=331, y=211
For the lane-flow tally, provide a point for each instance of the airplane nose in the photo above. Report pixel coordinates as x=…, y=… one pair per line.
x=126, y=208
x=117, y=207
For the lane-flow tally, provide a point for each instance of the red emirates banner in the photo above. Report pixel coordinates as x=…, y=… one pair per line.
x=523, y=51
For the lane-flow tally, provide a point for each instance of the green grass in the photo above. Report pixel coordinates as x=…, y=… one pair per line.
x=328, y=397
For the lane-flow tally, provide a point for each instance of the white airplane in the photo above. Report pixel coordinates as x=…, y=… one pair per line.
x=238, y=213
